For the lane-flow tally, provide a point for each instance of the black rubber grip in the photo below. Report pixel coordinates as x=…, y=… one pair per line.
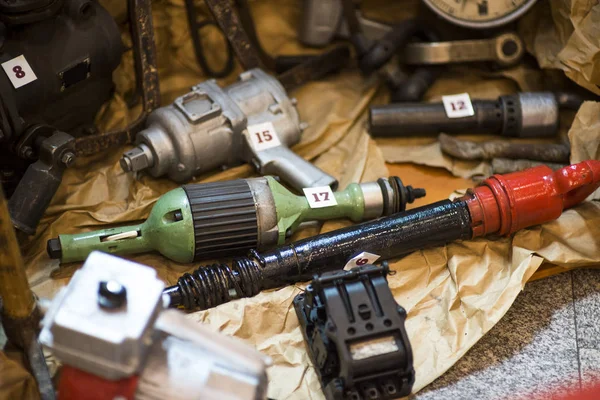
x=225, y=218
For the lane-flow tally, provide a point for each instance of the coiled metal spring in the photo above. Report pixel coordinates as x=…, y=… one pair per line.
x=211, y=285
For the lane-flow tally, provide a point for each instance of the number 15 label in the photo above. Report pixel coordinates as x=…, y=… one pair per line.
x=458, y=105
x=18, y=71
x=263, y=136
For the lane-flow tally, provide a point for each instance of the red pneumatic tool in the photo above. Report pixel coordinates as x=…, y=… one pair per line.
x=502, y=204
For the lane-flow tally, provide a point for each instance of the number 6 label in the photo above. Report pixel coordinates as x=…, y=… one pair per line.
x=361, y=259
x=263, y=136
x=458, y=105
x=319, y=197
x=18, y=71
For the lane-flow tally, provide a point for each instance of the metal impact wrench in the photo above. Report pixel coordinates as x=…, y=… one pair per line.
x=252, y=120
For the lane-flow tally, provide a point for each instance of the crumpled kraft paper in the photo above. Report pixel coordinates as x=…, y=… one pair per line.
x=584, y=136
x=453, y=294
x=566, y=36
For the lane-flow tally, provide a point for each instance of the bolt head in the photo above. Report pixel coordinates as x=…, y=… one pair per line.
x=68, y=159
x=111, y=295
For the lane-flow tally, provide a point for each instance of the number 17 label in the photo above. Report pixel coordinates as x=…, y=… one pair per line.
x=319, y=197
x=263, y=136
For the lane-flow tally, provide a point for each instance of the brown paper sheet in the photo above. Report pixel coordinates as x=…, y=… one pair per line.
x=566, y=36
x=453, y=294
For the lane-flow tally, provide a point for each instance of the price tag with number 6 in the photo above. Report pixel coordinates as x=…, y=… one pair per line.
x=361, y=259
x=263, y=136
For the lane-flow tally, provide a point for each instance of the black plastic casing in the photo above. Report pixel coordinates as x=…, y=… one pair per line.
x=345, y=317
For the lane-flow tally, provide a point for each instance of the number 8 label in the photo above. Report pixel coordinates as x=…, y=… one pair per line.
x=19, y=71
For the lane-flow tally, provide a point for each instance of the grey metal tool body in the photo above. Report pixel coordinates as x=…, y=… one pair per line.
x=110, y=329
x=252, y=120
x=323, y=21
x=504, y=50
x=531, y=114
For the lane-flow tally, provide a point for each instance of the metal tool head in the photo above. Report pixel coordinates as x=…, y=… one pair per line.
x=101, y=321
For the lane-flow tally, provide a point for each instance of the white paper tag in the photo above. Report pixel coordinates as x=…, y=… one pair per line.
x=319, y=197
x=263, y=136
x=458, y=105
x=18, y=71
x=361, y=259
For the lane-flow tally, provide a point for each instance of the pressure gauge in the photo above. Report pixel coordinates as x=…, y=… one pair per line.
x=480, y=14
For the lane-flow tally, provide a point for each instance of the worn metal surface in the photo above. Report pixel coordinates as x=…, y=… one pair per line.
x=41, y=180
x=393, y=236
x=469, y=150
x=356, y=335
x=227, y=17
x=19, y=314
x=144, y=51
x=195, y=27
x=505, y=50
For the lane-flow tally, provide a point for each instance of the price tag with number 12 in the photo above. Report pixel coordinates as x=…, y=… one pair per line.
x=458, y=105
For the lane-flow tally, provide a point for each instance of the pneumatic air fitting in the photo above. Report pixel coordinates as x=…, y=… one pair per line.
x=222, y=219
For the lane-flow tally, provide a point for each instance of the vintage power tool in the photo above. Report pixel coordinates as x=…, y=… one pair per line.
x=501, y=205
x=223, y=219
x=110, y=329
x=530, y=114
x=51, y=90
x=252, y=120
x=355, y=334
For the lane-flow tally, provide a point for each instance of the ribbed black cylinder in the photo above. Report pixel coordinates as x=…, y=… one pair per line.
x=225, y=219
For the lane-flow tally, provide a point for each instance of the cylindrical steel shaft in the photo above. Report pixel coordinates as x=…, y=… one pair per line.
x=521, y=115
x=415, y=119
x=402, y=233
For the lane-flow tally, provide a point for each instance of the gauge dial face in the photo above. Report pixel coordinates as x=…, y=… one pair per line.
x=480, y=13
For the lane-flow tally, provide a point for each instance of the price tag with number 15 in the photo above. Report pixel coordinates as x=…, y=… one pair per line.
x=263, y=136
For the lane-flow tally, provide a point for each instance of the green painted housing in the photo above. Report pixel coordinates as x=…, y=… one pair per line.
x=293, y=210
x=161, y=232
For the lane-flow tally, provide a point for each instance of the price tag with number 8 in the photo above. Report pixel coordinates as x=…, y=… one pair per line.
x=19, y=71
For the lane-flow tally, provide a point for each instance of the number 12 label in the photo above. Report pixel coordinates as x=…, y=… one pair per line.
x=319, y=197
x=18, y=71
x=458, y=105
x=263, y=136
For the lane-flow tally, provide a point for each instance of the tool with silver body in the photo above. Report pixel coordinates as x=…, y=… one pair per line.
x=110, y=329
x=252, y=120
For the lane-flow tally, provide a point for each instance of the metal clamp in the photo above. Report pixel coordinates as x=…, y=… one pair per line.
x=505, y=50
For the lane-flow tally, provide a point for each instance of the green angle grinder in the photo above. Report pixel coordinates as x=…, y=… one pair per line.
x=224, y=219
